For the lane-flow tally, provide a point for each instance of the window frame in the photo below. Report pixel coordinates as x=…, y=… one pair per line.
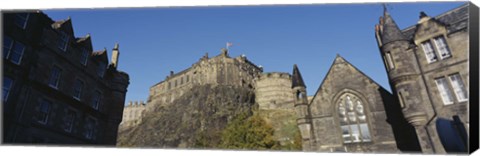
x=101, y=68
x=44, y=115
x=462, y=88
x=10, y=50
x=97, y=96
x=69, y=127
x=7, y=93
x=80, y=91
x=432, y=51
x=90, y=130
x=58, y=77
x=447, y=90
x=444, y=47
x=24, y=21
x=84, y=57
x=345, y=121
x=63, y=41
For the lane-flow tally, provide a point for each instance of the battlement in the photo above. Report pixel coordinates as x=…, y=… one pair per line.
x=276, y=75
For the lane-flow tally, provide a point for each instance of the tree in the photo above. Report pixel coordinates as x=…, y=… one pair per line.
x=252, y=133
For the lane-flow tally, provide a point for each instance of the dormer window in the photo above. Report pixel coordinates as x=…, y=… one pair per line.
x=21, y=20
x=441, y=49
x=63, y=41
x=429, y=52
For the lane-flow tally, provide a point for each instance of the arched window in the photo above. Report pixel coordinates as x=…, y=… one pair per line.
x=353, y=120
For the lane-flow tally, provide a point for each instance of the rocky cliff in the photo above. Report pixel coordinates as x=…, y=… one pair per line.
x=200, y=114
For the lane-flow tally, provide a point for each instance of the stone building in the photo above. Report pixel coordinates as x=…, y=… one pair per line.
x=273, y=91
x=132, y=114
x=428, y=71
x=349, y=113
x=56, y=89
x=218, y=70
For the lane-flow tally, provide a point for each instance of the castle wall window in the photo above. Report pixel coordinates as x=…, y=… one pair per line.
x=70, y=120
x=63, y=41
x=44, y=111
x=181, y=80
x=444, y=90
x=458, y=87
x=54, y=77
x=84, y=57
x=353, y=120
x=169, y=85
x=6, y=87
x=13, y=50
x=442, y=47
x=77, y=89
x=97, y=97
x=101, y=69
x=389, y=60
x=429, y=52
x=90, y=128
x=21, y=20
x=188, y=77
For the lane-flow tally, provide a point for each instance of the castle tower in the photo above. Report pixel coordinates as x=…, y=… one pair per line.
x=405, y=78
x=301, y=108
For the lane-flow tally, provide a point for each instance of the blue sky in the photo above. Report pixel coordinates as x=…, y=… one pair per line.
x=154, y=41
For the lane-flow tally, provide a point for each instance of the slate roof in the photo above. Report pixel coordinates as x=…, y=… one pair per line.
x=297, y=79
x=455, y=20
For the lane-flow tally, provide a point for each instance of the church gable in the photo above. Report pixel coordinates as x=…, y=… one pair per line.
x=341, y=78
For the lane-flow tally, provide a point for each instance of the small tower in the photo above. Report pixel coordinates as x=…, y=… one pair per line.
x=115, y=56
x=404, y=75
x=302, y=108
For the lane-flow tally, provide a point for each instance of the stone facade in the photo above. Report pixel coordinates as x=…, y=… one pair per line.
x=273, y=91
x=55, y=89
x=348, y=113
x=427, y=65
x=219, y=70
x=132, y=114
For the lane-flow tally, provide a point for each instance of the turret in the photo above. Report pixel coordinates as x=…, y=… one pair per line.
x=301, y=107
x=400, y=59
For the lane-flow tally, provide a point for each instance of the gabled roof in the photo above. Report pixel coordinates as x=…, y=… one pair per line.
x=340, y=60
x=64, y=25
x=100, y=55
x=456, y=19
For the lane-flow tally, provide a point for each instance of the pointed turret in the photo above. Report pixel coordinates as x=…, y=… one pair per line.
x=297, y=79
x=388, y=30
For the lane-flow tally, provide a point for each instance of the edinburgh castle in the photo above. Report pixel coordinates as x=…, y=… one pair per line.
x=58, y=90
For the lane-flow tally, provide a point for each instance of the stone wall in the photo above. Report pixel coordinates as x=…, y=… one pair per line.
x=132, y=114
x=274, y=91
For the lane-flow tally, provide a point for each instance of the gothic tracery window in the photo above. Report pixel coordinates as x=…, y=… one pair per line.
x=353, y=120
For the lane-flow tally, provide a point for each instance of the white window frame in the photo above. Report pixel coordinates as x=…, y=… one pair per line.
x=429, y=51
x=45, y=115
x=55, y=78
x=63, y=41
x=78, y=94
x=6, y=89
x=442, y=47
x=458, y=87
x=444, y=90
x=96, y=100
x=23, y=20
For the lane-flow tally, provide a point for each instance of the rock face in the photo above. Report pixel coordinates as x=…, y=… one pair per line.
x=196, y=119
